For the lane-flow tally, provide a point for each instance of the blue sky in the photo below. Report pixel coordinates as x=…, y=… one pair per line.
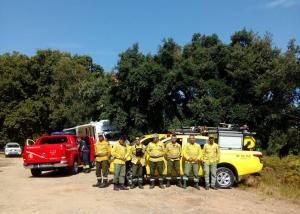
x=103, y=29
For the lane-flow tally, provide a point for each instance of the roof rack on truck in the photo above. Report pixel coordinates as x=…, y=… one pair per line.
x=228, y=136
x=185, y=130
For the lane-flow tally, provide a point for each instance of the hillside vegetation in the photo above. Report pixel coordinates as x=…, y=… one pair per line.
x=204, y=82
x=280, y=178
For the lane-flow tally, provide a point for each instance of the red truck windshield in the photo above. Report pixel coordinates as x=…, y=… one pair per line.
x=56, y=140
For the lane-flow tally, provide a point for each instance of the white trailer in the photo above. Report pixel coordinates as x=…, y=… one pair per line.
x=92, y=129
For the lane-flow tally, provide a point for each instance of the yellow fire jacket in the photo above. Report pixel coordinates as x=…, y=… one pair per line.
x=120, y=153
x=211, y=153
x=192, y=152
x=156, y=151
x=134, y=158
x=173, y=151
x=102, y=150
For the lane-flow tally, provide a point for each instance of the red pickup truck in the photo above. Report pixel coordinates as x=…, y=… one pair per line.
x=56, y=152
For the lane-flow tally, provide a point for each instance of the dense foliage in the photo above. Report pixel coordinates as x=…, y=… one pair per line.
x=204, y=82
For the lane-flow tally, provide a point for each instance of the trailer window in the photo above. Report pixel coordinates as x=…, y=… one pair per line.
x=106, y=126
x=56, y=140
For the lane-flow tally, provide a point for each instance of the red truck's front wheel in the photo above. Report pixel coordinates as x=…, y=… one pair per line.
x=73, y=170
x=36, y=172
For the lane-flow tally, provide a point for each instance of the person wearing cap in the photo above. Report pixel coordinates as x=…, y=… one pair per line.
x=192, y=155
x=173, y=153
x=102, y=153
x=83, y=147
x=211, y=156
x=156, y=152
x=138, y=163
x=120, y=152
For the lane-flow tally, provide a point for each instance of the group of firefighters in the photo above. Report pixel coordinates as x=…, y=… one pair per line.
x=157, y=152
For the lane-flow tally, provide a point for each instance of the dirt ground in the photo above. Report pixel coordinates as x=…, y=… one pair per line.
x=58, y=193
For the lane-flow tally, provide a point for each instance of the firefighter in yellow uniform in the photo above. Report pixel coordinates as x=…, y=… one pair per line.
x=211, y=156
x=173, y=154
x=156, y=152
x=102, y=153
x=192, y=155
x=120, y=152
x=138, y=162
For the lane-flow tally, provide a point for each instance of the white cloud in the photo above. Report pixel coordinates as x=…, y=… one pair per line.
x=282, y=3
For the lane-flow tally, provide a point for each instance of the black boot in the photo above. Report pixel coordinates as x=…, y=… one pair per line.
x=98, y=183
x=196, y=185
x=179, y=184
x=86, y=169
x=161, y=184
x=214, y=188
x=122, y=187
x=141, y=185
x=168, y=183
x=132, y=186
x=116, y=187
x=152, y=184
x=104, y=183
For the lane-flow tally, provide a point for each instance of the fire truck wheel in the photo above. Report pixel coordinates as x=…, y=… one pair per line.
x=36, y=172
x=73, y=170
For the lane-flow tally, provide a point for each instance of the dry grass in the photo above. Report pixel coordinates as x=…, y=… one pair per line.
x=279, y=178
